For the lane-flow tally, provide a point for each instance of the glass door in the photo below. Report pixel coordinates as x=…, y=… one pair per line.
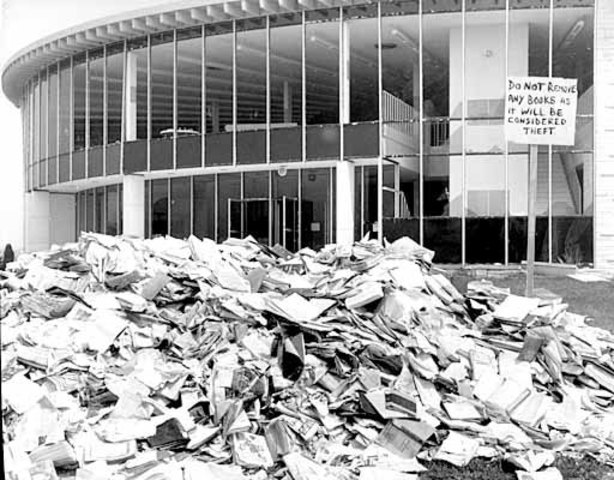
x=249, y=216
x=287, y=222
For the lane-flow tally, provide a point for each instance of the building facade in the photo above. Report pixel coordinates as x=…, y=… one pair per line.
x=305, y=122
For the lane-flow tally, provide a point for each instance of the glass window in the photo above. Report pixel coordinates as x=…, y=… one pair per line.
x=251, y=91
x=572, y=166
x=159, y=207
x=442, y=129
x=115, y=78
x=285, y=202
x=189, y=81
x=52, y=120
x=315, y=207
x=64, y=121
x=100, y=210
x=361, y=25
x=180, y=207
x=44, y=93
x=189, y=97
x=136, y=83
x=253, y=211
x=120, y=226
x=219, y=89
x=286, y=75
x=322, y=84
x=96, y=94
x=112, y=205
x=161, y=84
x=35, y=131
x=78, y=81
x=52, y=126
x=322, y=66
x=204, y=206
x=90, y=210
x=229, y=190
x=64, y=108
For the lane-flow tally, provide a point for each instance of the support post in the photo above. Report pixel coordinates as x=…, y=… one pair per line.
x=531, y=220
x=134, y=206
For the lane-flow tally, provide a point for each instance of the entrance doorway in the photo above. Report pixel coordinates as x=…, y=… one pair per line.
x=252, y=216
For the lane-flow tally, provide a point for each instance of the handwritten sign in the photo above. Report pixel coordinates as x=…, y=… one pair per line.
x=541, y=110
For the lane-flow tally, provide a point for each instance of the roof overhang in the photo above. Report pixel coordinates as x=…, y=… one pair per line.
x=184, y=13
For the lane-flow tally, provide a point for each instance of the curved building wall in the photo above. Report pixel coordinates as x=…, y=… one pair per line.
x=249, y=118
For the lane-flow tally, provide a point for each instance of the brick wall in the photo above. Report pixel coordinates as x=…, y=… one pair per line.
x=604, y=135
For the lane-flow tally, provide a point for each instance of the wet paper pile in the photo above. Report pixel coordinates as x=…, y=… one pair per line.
x=169, y=359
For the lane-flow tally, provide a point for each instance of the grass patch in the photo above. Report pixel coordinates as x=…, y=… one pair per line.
x=595, y=300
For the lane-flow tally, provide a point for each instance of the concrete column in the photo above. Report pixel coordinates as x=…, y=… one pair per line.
x=37, y=221
x=131, y=101
x=345, y=202
x=62, y=214
x=287, y=102
x=134, y=206
x=604, y=139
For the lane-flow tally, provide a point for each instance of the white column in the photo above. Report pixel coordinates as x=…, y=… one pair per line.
x=37, y=221
x=62, y=214
x=131, y=82
x=287, y=102
x=345, y=202
x=604, y=139
x=134, y=205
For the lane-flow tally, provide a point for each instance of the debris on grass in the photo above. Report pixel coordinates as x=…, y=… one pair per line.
x=163, y=358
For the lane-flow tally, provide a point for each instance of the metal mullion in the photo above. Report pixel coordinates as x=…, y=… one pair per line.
x=362, y=201
x=341, y=84
x=175, y=122
x=104, y=210
x=463, y=136
x=331, y=186
x=242, y=207
x=234, y=95
x=119, y=229
x=57, y=129
x=168, y=207
x=123, y=110
x=87, y=119
x=397, y=188
x=271, y=207
x=46, y=127
x=203, y=101
x=380, y=157
x=268, y=96
x=215, y=202
x=299, y=190
x=550, y=53
x=506, y=233
x=596, y=25
x=94, y=216
x=150, y=192
x=148, y=103
x=421, y=124
x=303, y=89
x=191, y=177
x=105, y=113
x=71, y=116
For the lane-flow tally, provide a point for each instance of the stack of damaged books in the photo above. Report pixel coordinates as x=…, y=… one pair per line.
x=170, y=359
